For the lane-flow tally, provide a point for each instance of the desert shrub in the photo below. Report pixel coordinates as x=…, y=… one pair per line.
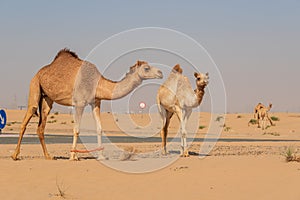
x=202, y=127
x=253, y=121
x=274, y=118
x=239, y=116
x=219, y=118
x=56, y=113
x=227, y=128
x=291, y=156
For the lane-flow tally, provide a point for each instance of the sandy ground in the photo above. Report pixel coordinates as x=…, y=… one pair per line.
x=246, y=163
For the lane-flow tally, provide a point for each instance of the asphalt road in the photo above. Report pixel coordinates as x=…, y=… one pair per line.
x=67, y=139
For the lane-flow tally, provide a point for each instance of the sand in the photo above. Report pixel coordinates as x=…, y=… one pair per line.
x=245, y=163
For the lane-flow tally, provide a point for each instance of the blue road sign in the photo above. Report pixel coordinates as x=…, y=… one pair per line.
x=2, y=119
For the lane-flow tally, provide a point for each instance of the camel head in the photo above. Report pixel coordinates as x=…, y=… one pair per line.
x=145, y=71
x=201, y=79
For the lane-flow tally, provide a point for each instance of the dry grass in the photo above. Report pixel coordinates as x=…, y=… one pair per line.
x=290, y=155
x=271, y=133
x=61, y=190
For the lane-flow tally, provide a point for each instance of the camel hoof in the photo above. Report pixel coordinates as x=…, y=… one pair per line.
x=185, y=154
x=74, y=158
x=49, y=157
x=14, y=157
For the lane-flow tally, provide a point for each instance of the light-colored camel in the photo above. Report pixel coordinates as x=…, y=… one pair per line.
x=70, y=81
x=261, y=115
x=177, y=96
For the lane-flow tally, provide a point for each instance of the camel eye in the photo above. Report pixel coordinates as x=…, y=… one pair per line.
x=147, y=69
x=198, y=79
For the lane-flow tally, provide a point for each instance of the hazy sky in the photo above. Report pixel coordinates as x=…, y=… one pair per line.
x=255, y=44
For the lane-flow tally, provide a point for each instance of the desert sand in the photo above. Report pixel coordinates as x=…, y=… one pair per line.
x=245, y=163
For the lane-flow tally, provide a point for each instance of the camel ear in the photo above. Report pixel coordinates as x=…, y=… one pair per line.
x=207, y=74
x=139, y=62
x=195, y=74
x=177, y=68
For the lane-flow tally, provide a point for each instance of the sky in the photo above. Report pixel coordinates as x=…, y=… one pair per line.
x=255, y=44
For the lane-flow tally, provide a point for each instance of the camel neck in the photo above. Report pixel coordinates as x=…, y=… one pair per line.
x=199, y=93
x=110, y=90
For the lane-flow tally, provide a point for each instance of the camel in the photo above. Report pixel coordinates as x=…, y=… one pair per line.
x=70, y=81
x=261, y=114
x=176, y=95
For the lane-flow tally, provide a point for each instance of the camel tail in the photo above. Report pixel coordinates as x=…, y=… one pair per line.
x=34, y=95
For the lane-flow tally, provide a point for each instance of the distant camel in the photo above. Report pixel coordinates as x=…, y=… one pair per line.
x=261, y=114
x=177, y=96
x=70, y=81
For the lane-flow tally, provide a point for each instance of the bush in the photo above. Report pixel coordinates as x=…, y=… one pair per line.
x=274, y=118
x=253, y=121
x=202, y=127
x=219, y=118
x=227, y=128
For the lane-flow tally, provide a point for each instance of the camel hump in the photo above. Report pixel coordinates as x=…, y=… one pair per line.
x=66, y=51
x=177, y=68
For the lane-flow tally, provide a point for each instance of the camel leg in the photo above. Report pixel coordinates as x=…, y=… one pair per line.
x=45, y=107
x=272, y=124
x=181, y=116
x=186, y=115
x=263, y=123
x=164, y=131
x=96, y=113
x=30, y=112
x=258, y=120
x=77, y=120
x=33, y=103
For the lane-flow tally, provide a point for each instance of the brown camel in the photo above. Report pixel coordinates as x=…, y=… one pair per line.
x=177, y=96
x=70, y=81
x=261, y=115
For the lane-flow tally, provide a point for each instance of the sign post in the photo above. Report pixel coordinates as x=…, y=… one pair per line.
x=2, y=120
